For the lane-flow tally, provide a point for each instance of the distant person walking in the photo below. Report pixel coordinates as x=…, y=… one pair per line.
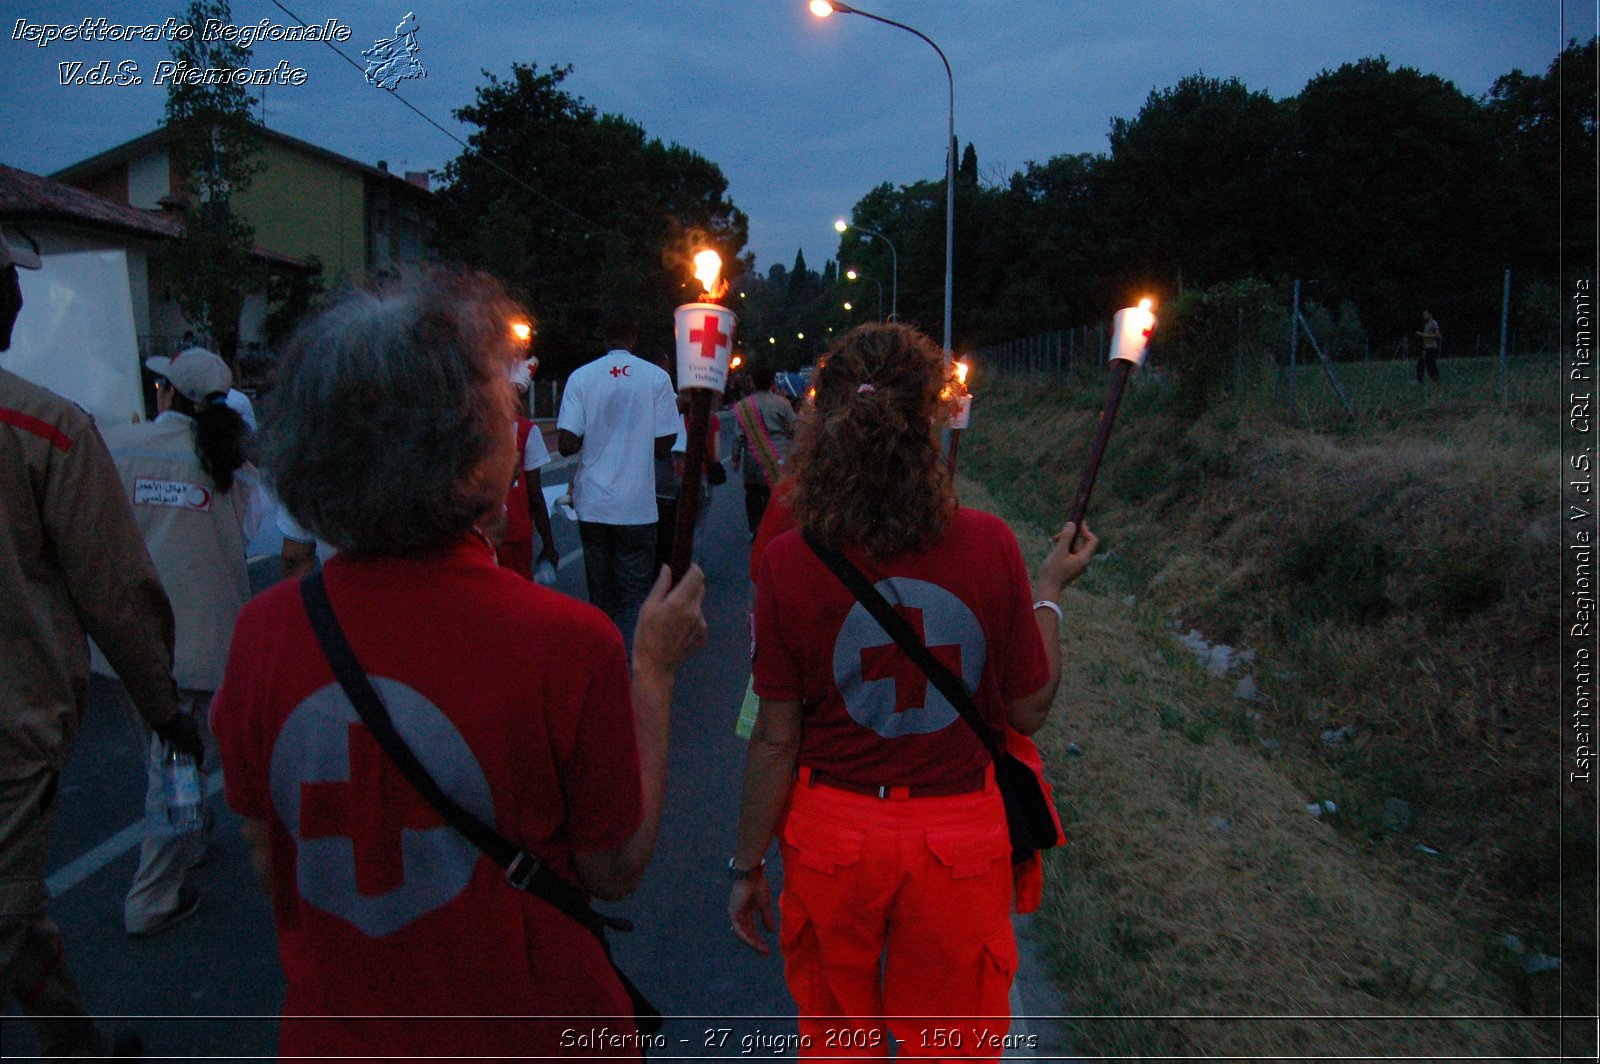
x=526, y=510
x=618, y=415
x=1429, y=359
x=194, y=498
x=71, y=562
x=763, y=425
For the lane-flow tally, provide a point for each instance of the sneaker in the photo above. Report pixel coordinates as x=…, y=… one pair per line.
x=188, y=902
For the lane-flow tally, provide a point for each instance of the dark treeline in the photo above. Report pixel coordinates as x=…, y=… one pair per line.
x=1387, y=190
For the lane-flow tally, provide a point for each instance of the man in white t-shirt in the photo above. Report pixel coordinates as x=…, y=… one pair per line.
x=618, y=415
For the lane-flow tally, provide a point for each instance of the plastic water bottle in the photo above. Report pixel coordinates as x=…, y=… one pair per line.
x=180, y=785
x=545, y=573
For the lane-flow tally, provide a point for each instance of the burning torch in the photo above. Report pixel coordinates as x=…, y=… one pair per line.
x=1133, y=326
x=704, y=333
x=960, y=400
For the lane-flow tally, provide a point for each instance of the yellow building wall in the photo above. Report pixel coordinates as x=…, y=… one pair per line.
x=302, y=206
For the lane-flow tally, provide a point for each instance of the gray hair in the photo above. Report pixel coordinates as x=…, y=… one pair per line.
x=387, y=405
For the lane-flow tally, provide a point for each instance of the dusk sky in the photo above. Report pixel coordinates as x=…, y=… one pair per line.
x=803, y=115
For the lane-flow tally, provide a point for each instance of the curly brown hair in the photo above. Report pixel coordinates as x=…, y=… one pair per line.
x=867, y=459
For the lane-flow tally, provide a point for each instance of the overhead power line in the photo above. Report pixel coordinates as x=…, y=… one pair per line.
x=407, y=104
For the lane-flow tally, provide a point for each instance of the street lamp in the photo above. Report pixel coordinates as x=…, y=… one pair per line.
x=855, y=276
x=894, y=286
x=824, y=8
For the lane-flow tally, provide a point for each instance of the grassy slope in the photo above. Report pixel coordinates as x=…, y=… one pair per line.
x=1398, y=580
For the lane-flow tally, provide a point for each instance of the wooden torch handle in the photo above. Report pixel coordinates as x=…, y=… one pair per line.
x=1120, y=368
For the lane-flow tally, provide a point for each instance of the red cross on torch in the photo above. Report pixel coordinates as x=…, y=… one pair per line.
x=1132, y=328
x=704, y=333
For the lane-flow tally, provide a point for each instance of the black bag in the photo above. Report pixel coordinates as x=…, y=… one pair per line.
x=1029, y=818
x=524, y=871
x=716, y=473
x=1029, y=815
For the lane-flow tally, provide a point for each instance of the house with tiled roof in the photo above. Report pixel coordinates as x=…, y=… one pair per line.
x=98, y=252
x=357, y=221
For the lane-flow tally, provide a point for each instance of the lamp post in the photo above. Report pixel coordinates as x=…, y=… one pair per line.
x=857, y=276
x=894, y=283
x=824, y=8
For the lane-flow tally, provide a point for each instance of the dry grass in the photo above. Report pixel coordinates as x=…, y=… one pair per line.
x=1430, y=651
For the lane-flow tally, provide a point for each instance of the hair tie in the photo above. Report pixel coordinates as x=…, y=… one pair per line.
x=865, y=386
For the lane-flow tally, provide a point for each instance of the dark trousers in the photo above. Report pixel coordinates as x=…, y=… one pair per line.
x=619, y=562
x=756, y=497
x=1429, y=360
x=32, y=969
x=666, y=528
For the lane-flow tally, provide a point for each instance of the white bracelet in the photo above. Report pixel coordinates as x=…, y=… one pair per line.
x=1054, y=607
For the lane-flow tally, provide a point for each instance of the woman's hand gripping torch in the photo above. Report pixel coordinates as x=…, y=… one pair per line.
x=704, y=333
x=960, y=400
x=1133, y=326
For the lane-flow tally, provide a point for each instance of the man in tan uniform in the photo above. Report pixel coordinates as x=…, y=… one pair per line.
x=71, y=562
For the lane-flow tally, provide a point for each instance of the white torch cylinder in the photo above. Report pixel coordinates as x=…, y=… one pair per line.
x=1131, y=339
x=961, y=412
x=704, y=334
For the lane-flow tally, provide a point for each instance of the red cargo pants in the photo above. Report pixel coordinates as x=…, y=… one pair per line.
x=896, y=911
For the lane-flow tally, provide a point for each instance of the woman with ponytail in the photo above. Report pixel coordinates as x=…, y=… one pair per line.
x=898, y=884
x=194, y=497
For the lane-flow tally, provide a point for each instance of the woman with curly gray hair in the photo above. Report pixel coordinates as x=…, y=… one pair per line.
x=393, y=441
x=897, y=878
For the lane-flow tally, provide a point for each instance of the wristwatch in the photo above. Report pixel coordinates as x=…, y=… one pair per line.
x=735, y=874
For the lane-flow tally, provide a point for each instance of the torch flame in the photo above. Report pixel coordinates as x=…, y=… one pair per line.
x=707, y=269
x=961, y=372
x=521, y=330
x=1145, y=303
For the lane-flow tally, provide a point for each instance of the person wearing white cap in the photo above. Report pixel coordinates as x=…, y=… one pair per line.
x=192, y=493
x=71, y=562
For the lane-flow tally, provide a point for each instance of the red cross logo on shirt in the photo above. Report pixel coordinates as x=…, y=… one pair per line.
x=890, y=662
x=709, y=336
x=371, y=809
x=619, y=371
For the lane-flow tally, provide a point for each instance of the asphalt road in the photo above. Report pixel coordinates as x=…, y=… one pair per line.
x=212, y=987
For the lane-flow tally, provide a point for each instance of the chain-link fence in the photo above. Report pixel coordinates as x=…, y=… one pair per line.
x=1286, y=348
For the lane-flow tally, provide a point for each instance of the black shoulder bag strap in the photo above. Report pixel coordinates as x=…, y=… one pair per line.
x=949, y=685
x=1029, y=818
x=524, y=871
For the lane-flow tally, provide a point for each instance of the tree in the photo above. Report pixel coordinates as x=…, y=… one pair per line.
x=213, y=154
x=572, y=209
x=968, y=170
x=1545, y=126
x=1195, y=184
x=1395, y=195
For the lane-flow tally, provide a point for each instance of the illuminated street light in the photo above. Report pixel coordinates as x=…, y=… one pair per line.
x=894, y=285
x=847, y=305
x=824, y=8
x=856, y=275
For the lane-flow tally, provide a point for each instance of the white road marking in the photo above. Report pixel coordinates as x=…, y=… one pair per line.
x=80, y=869
x=75, y=872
